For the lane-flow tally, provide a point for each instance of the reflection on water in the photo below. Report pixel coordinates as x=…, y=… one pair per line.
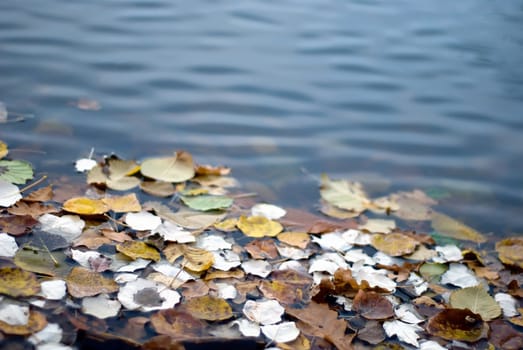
x=401, y=94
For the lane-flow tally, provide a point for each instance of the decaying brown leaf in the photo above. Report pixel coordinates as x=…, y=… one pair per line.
x=43, y=194
x=82, y=282
x=17, y=225
x=372, y=305
x=457, y=324
x=289, y=287
x=262, y=249
x=178, y=324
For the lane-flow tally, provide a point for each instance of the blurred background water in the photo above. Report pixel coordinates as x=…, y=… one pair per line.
x=398, y=94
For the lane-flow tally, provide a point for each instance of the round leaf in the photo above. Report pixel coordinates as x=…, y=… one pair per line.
x=15, y=171
x=36, y=323
x=16, y=282
x=9, y=194
x=85, y=206
x=457, y=324
x=394, y=244
x=209, y=308
x=477, y=300
x=178, y=168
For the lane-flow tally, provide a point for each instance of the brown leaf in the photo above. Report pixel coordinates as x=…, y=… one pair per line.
x=457, y=324
x=91, y=239
x=115, y=236
x=510, y=251
x=289, y=287
x=262, y=249
x=319, y=320
x=394, y=244
x=212, y=170
x=372, y=332
x=372, y=306
x=82, y=282
x=300, y=220
x=342, y=284
x=162, y=342
x=33, y=209
x=43, y=194
x=178, y=324
x=503, y=336
x=17, y=225
x=193, y=289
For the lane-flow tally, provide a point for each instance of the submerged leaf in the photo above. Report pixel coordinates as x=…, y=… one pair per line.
x=15, y=171
x=16, y=282
x=178, y=168
x=450, y=227
x=259, y=226
x=477, y=300
x=394, y=244
x=158, y=188
x=510, y=251
x=177, y=324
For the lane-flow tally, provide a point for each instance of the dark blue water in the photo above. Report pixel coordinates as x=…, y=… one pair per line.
x=399, y=94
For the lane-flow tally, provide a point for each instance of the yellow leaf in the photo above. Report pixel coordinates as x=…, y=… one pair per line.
x=344, y=194
x=209, y=308
x=295, y=239
x=228, y=225
x=3, y=150
x=450, y=227
x=178, y=168
x=136, y=249
x=196, y=259
x=36, y=323
x=123, y=204
x=119, y=168
x=394, y=244
x=85, y=206
x=259, y=226
x=510, y=251
x=82, y=282
x=16, y=282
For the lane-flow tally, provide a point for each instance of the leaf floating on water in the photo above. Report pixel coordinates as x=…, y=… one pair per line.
x=270, y=211
x=282, y=332
x=378, y=226
x=85, y=206
x=8, y=246
x=137, y=249
x=177, y=324
x=43, y=194
x=372, y=305
x=101, y=306
x=510, y=251
x=15, y=171
x=9, y=194
x=259, y=226
x=207, y=202
x=146, y=295
x=82, y=282
x=407, y=333
x=178, y=168
x=196, y=259
x=457, y=324
x=142, y=221
x=3, y=149
x=212, y=170
x=394, y=244
x=295, y=239
x=35, y=323
x=477, y=300
x=344, y=194
x=120, y=174
x=263, y=312
x=158, y=188
x=33, y=209
x=16, y=282
x=67, y=226
x=123, y=204
x=42, y=262
x=209, y=308
x=450, y=227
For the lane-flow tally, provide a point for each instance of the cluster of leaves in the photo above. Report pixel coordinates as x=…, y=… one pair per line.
x=208, y=263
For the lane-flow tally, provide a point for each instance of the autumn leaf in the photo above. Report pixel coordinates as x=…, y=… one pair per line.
x=295, y=239
x=209, y=308
x=450, y=227
x=85, y=206
x=158, y=188
x=137, y=249
x=178, y=324
x=3, y=149
x=33, y=209
x=178, y=168
x=212, y=170
x=9, y=194
x=42, y=262
x=372, y=305
x=207, y=202
x=123, y=204
x=510, y=251
x=17, y=225
x=35, y=323
x=16, y=282
x=43, y=194
x=477, y=300
x=344, y=194
x=196, y=259
x=394, y=244
x=259, y=226
x=82, y=282
x=457, y=324
x=262, y=249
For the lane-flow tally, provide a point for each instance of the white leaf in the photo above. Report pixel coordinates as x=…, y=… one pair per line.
x=404, y=331
x=420, y=285
x=271, y=212
x=226, y=291
x=53, y=290
x=448, y=253
x=248, y=328
x=431, y=345
x=375, y=278
x=101, y=306
x=384, y=259
x=356, y=237
x=125, y=277
x=9, y=194
x=8, y=246
x=332, y=241
x=293, y=253
x=408, y=314
x=292, y=265
x=169, y=270
x=345, y=302
x=174, y=233
x=263, y=312
x=134, y=265
x=82, y=257
x=507, y=303
x=460, y=276
x=142, y=221
x=52, y=333
x=84, y=164
x=281, y=333
x=257, y=267
x=355, y=255
x=212, y=243
x=155, y=296
x=67, y=226
x=226, y=260
x=327, y=262
x=14, y=314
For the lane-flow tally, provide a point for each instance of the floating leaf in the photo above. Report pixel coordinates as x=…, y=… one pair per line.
x=270, y=211
x=344, y=194
x=507, y=303
x=3, y=149
x=158, y=188
x=84, y=164
x=378, y=225
x=146, y=295
x=35, y=209
x=123, y=204
x=282, y=332
x=510, y=251
x=372, y=305
x=503, y=336
x=259, y=226
x=457, y=324
x=42, y=262
x=53, y=290
x=196, y=259
x=82, y=282
x=289, y=287
x=207, y=202
x=477, y=300
x=227, y=225
x=394, y=244
x=209, y=308
x=119, y=177
x=295, y=239
x=9, y=194
x=85, y=206
x=15, y=171
x=177, y=324
x=67, y=226
x=142, y=221
x=407, y=333
x=137, y=249
x=40, y=195
x=263, y=312
x=178, y=168
x=460, y=276
x=431, y=271
x=8, y=246
x=16, y=282
x=262, y=249
x=212, y=170
x=100, y=306
x=35, y=323
x=450, y=227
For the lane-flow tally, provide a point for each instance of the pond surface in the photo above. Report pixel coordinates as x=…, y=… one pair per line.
x=399, y=95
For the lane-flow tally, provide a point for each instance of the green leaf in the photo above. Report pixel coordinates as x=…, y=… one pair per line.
x=15, y=171
x=477, y=300
x=39, y=260
x=432, y=271
x=207, y=202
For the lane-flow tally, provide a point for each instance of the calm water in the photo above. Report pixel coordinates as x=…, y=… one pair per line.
x=400, y=94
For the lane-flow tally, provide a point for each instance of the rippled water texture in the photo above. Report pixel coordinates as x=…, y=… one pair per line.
x=400, y=94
